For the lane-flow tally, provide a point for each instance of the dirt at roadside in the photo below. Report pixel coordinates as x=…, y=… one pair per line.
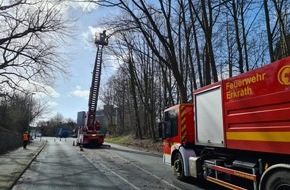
x=144, y=144
x=148, y=145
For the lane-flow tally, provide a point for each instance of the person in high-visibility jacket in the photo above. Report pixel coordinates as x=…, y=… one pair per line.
x=25, y=139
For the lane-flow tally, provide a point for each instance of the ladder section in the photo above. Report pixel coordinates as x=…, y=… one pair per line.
x=94, y=91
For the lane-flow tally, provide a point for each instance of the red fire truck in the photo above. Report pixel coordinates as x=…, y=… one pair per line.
x=236, y=133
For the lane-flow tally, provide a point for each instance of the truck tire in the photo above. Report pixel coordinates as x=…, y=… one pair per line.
x=178, y=166
x=279, y=180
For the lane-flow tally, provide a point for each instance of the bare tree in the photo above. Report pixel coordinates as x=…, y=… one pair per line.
x=31, y=33
x=277, y=18
x=204, y=12
x=143, y=19
x=269, y=32
x=18, y=111
x=121, y=99
x=282, y=10
x=178, y=46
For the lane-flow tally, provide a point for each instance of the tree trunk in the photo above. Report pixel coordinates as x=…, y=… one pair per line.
x=269, y=33
x=134, y=96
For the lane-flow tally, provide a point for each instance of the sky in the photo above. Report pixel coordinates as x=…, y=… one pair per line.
x=70, y=96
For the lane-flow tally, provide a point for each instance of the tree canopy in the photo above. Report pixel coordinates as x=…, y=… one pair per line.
x=167, y=49
x=31, y=33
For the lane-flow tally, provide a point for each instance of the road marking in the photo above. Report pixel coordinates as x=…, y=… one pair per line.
x=164, y=181
x=126, y=181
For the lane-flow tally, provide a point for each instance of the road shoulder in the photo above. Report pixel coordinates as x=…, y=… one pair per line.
x=14, y=163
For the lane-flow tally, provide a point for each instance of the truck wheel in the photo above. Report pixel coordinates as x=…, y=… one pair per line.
x=279, y=180
x=178, y=166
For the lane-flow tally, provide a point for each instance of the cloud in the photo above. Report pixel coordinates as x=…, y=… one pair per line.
x=40, y=90
x=52, y=104
x=50, y=107
x=88, y=41
x=49, y=112
x=85, y=6
x=76, y=4
x=88, y=37
x=49, y=91
x=78, y=92
x=65, y=5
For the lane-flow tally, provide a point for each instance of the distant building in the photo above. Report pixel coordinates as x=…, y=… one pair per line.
x=81, y=118
x=106, y=116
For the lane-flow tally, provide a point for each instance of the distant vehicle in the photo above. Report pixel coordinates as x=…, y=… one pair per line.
x=63, y=132
x=38, y=134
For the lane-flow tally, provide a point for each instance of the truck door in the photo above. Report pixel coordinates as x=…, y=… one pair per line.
x=209, y=117
x=170, y=132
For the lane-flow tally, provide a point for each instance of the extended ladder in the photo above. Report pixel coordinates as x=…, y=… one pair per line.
x=94, y=90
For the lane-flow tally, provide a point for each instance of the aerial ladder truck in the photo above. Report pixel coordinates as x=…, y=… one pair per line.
x=91, y=134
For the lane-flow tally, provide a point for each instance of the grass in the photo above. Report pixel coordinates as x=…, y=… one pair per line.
x=145, y=144
x=125, y=140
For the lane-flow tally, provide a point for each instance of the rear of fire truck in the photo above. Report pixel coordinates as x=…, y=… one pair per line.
x=237, y=132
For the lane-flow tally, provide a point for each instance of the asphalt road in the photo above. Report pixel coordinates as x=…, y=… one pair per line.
x=63, y=166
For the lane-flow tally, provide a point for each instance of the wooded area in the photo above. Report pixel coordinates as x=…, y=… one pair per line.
x=167, y=49
x=32, y=33
x=164, y=50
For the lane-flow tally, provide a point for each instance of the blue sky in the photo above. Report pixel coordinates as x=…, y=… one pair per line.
x=70, y=95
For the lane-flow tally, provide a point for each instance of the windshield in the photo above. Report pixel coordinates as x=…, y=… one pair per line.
x=171, y=129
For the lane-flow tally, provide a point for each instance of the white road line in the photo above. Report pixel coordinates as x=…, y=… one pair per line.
x=126, y=181
x=164, y=181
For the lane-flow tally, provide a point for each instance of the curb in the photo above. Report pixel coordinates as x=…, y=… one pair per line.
x=20, y=174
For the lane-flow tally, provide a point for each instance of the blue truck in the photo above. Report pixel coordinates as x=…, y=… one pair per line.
x=63, y=132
